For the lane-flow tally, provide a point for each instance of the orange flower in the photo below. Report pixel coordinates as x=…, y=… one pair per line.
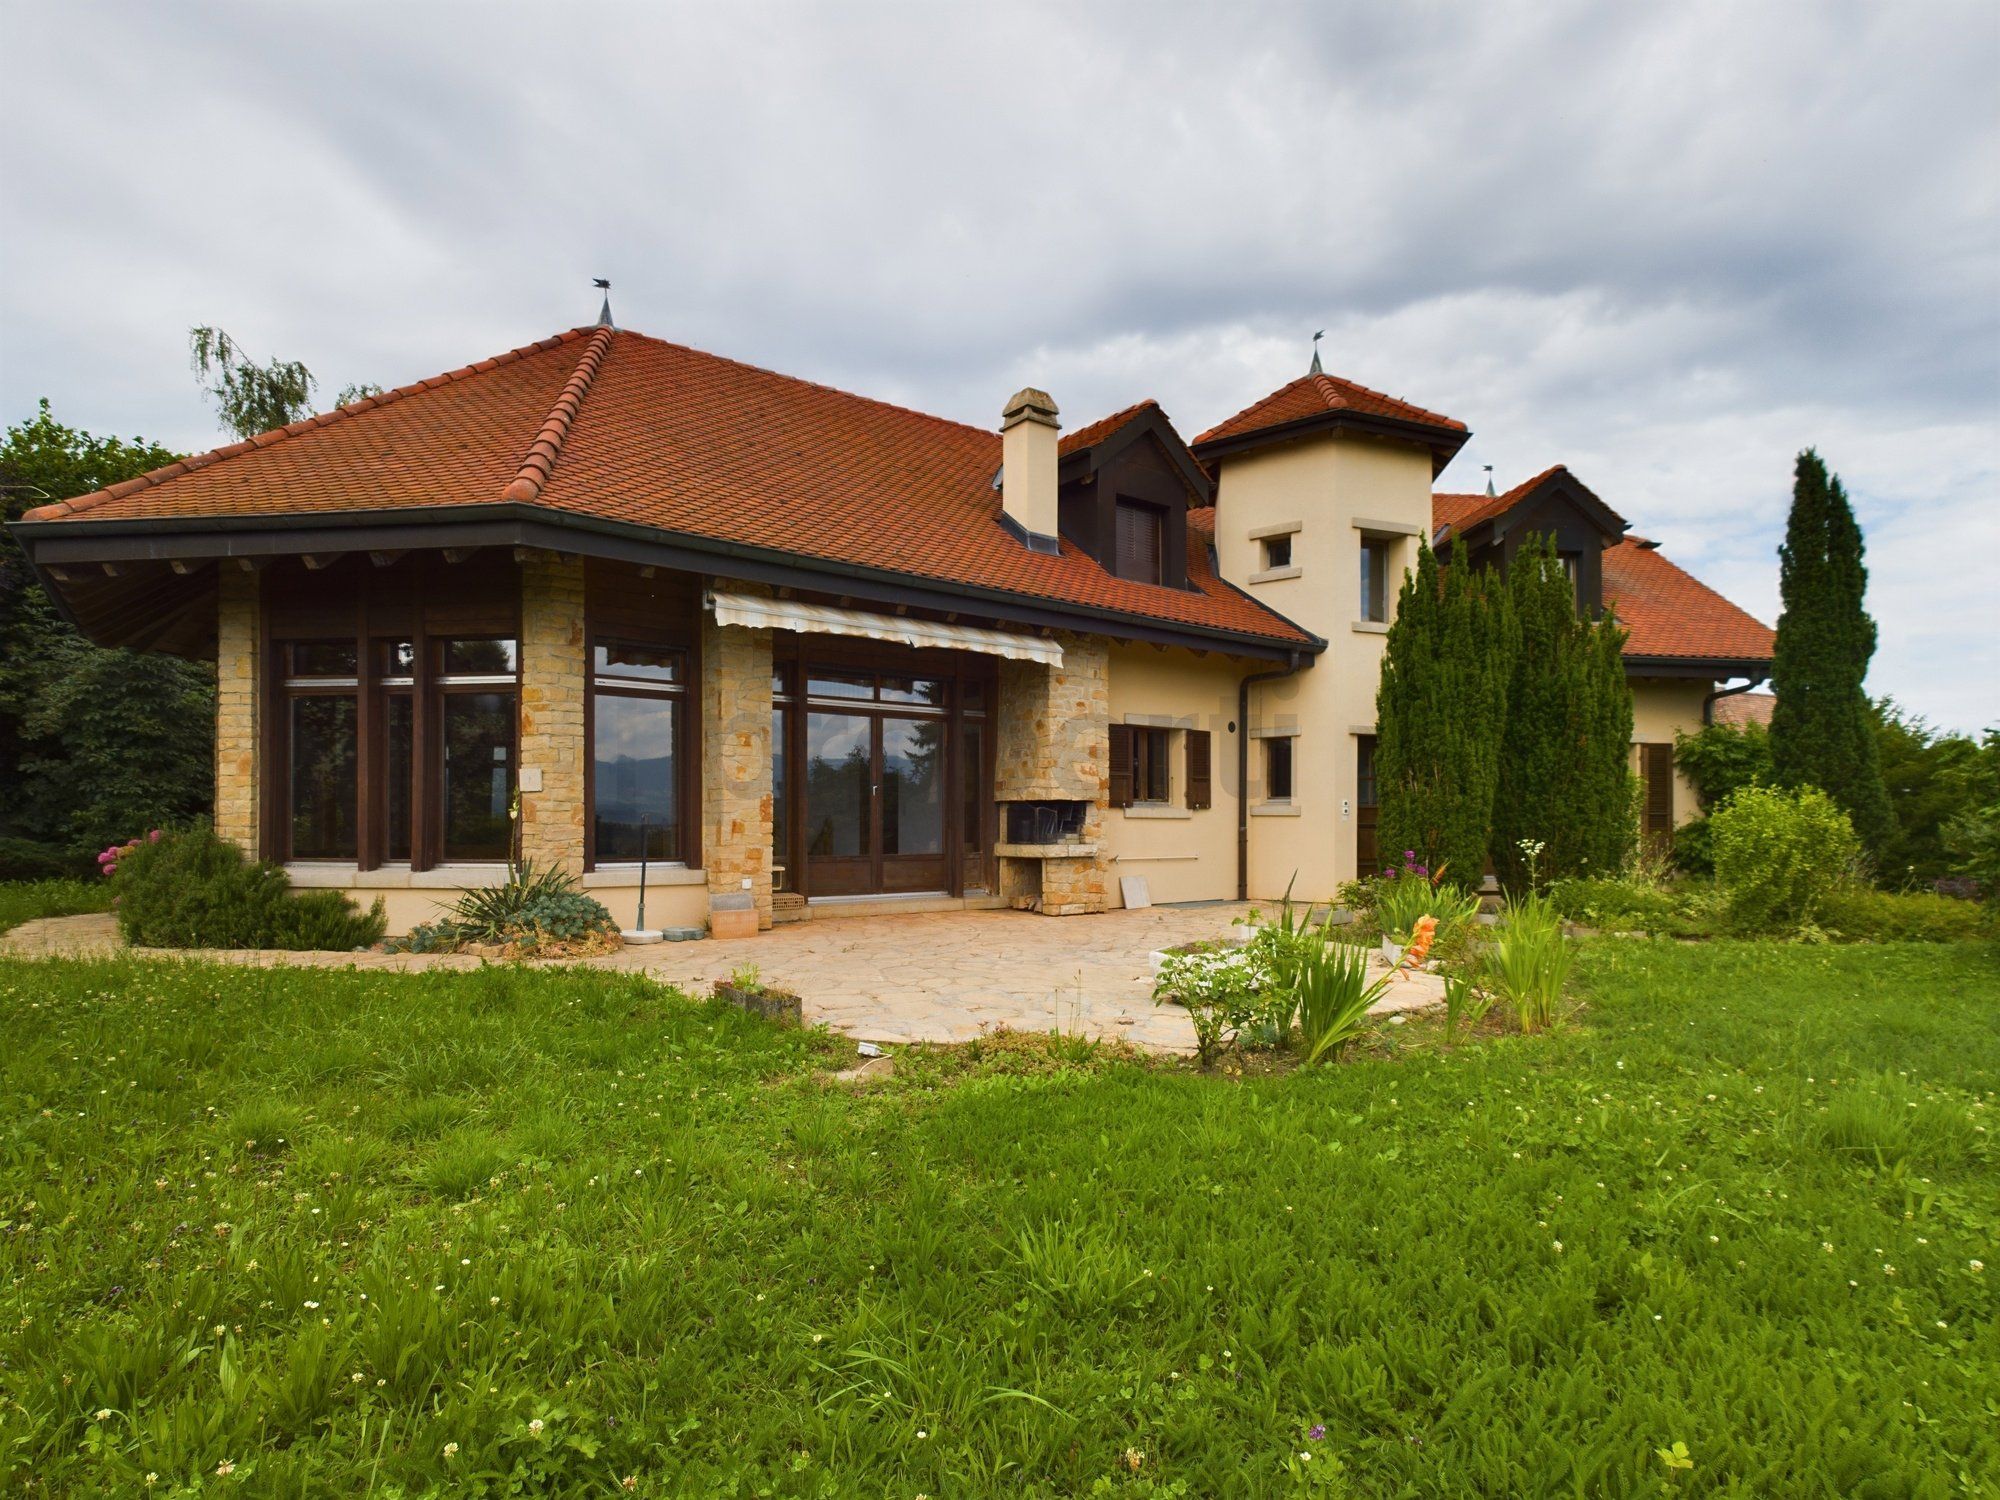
x=1419, y=946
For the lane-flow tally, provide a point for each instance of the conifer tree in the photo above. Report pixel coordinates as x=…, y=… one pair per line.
x=1565, y=779
x=1439, y=714
x=1822, y=730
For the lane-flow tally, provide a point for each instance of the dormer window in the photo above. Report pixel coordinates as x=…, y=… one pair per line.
x=1141, y=541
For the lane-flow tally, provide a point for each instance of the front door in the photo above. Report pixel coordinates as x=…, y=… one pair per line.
x=875, y=802
x=1367, y=808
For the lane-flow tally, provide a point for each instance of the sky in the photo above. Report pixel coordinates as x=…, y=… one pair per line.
x=1669, y=246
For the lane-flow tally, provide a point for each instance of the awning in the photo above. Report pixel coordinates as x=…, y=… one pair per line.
x=791, y=614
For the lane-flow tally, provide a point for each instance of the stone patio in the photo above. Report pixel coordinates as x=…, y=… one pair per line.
x=932, y=977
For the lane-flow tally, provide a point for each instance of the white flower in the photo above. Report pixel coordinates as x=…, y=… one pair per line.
x=1977, y=1265
x=535, y=1427
x=1559, y=1247
x=451, y=1450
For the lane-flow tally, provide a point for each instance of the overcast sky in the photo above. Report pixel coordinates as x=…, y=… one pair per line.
x=1667, y=245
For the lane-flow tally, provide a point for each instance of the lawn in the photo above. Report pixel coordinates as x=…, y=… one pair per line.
x=304, y=1232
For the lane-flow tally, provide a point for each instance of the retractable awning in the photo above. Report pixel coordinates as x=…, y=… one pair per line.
x=824, y=619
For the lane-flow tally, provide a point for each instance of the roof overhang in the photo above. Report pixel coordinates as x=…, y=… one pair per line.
x=1443, y=442
x=178, y=542
x=1083, y=463
x=1703, y=668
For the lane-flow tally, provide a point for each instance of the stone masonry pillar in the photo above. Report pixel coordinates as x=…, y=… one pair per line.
x=1054, y=741
x=238, y=677
x=554, y=677
x=736, y=761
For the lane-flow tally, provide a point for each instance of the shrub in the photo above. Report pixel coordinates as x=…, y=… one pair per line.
x=190, y=889
x=1529, y=962
x=532, y=911
x=1858, y=914
x=1624, y=905
x=1694, y=847
x=24, y=859
x=1779, y=855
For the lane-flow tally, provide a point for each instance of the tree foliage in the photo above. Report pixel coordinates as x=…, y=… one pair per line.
x=1565, y=780
x=1822, y=728
x=1934, y=781
x=1440, y=713
x=249, y=397
x=95, y=744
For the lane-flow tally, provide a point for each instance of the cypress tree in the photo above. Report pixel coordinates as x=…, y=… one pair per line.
x=1565, y=766
x=1439, y=714
x=1822, y=733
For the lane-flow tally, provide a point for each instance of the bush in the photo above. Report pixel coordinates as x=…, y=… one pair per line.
x=25, y=859
x=1855, y=913
x=1694, y=847
x=1779, y=855
x=190, y=889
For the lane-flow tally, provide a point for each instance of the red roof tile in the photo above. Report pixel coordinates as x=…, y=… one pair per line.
x=1316, y=395
x=1096, y=432
x=1745, y=708
x=1669, y=612
x=635, y=429
x=1463, y=512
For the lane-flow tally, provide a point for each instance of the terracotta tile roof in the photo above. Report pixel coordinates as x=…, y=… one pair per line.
x=1666, y=612
x=1745, y=708
x=1315, y=395
x=1669, y=612
x=1096, y=432
x=1463, y=512
x=627, y=428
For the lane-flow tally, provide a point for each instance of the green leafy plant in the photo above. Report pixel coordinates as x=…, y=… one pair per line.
x=191, y=889
x=1779, y=854
x=532, y=911
x=1529, y=961
x=1222, y=988
x=746, y=977
x=1465, y=1004
x=1333, y=993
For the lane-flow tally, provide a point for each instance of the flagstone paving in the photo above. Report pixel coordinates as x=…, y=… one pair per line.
x=932, y=977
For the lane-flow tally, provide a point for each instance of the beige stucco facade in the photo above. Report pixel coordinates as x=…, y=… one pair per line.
x=1329, y=494
x=1662, y=708
x=1184, y=854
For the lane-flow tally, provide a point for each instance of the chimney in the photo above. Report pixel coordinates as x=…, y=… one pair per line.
x=1028, y=468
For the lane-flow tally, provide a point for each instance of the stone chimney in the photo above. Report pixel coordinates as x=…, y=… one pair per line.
x=1028, y=467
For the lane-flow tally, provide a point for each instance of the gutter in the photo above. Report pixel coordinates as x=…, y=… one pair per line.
x=1708, y=703
x=1294, y=663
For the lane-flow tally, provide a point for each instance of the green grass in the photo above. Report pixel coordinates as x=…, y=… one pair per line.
x=25, y=900
x=322, y=1226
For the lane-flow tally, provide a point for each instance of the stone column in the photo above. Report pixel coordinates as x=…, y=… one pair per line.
x=239, y=639
x=554, y=677
x=736, y=761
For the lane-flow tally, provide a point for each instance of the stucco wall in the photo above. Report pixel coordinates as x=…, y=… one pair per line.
x=1338, y=490
x=1661, y=707
x=1185, y=854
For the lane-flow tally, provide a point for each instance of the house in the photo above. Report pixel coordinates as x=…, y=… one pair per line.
x=618, y=599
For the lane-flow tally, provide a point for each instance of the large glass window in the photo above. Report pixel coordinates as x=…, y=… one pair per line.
x=1374, y=578
x=636, y=758
x=321, y=749
x=912, y=786
x=839, y=786
x=476, y=734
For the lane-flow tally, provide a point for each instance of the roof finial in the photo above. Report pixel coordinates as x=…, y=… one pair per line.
x=604, y=317
x=1489, y=477
x=1316, y=370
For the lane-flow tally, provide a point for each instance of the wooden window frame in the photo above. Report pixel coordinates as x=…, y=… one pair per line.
x=687, y=788
x=1126, y=564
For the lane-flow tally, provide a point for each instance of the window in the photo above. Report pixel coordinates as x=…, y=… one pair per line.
x=1141, y=538
x=322, y=749
x=636, y=718
x=1277, y=551
x=477, y=714
x=1278, y=768
x=1374, y=578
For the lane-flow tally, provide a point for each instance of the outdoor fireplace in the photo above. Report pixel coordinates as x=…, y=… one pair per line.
x=1044, y=822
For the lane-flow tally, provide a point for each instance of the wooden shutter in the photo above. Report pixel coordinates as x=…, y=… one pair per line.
x=1121, y=765
x=1197, y=768
x=1656, y=769
x=1139, y=534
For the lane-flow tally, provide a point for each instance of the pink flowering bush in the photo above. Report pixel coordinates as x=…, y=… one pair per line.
x=107, y=862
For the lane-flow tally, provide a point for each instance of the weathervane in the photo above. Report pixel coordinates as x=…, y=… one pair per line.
x=604, y=317
x=1316, y=370
x=1489, y=477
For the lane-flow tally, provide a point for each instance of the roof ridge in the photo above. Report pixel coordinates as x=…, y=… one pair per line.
x=540, y=460
x=1100, y=428
x=817, y=385
x=56, y=510
x=1381, y=395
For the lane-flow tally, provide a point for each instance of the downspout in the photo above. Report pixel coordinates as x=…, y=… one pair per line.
x=1708, y=703
x=1294, y=662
